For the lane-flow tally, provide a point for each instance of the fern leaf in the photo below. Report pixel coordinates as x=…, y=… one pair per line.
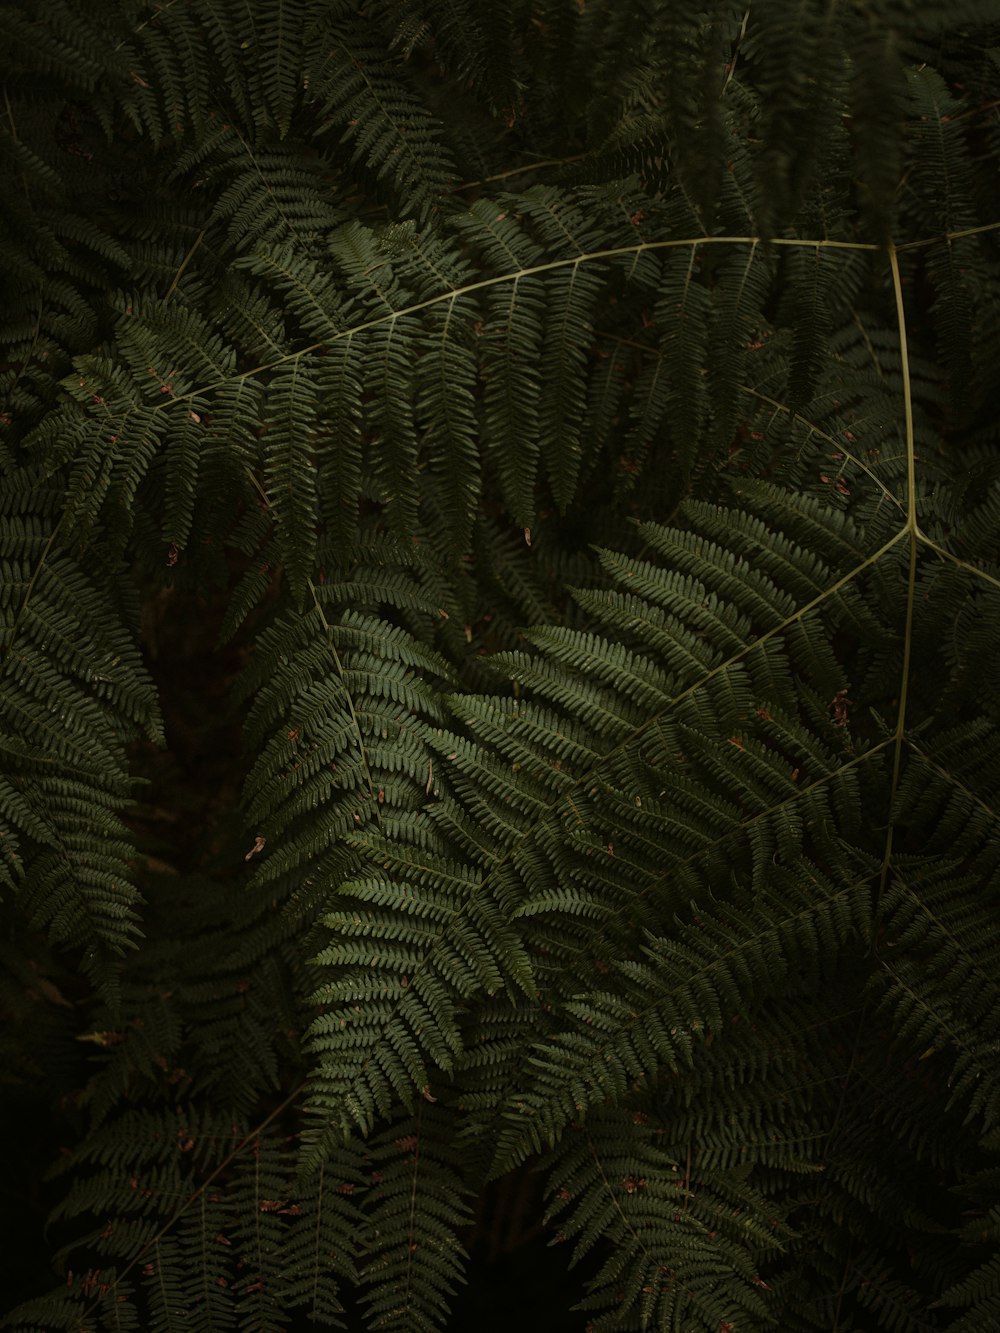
x=666, y=1005
x=446, y=378
x=289, y=475
x=677, y=1241
x=417, y=1199
x=512, y=352
x=356, y=89
x=565, y=344
x=73, y=693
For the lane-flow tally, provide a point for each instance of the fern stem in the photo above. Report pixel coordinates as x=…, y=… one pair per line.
x=912, y=532
x=485, y=284
x=591, y=773
x=957, y=560
x=859, y=463
x=973, y=797
x=911, y=462
x=184, y=263
x=946, y=236
x=766, y=813
x=523, y=170
x=779, y=406
x=796, y=616
x=737, y=43
x=154, y=17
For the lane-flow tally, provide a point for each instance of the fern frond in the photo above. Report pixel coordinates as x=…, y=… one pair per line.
x=212, y=1225
x=358, y=91
x=566, y=342
x=404, y=965
x=261, y=195
x=605, y=549
x=416, y=1202
x=667, y=1005
x=73, y=694
x=512, y=350
x=446, y=377
x=472, y=41
x=289, y=476
x=676, y=1243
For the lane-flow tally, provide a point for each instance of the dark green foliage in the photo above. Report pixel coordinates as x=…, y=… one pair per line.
x=499, y=612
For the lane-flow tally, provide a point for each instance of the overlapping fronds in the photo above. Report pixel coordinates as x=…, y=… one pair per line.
x=557, y=441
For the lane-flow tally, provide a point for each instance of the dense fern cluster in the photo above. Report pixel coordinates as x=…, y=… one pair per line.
x=562, y=434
